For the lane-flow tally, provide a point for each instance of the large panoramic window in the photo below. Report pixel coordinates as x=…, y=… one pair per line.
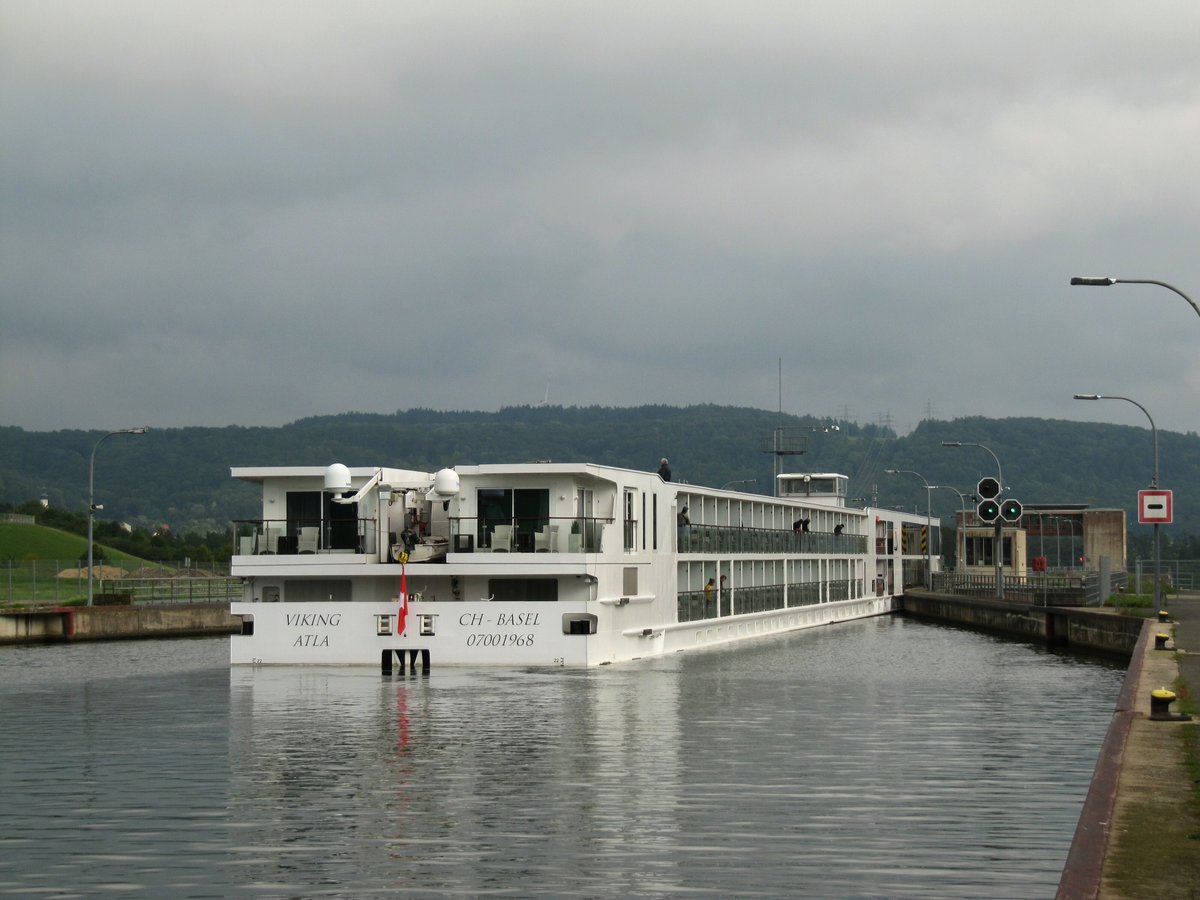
x=526, y=510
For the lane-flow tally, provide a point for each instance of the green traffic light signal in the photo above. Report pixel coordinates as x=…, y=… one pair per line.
x=1010, y=510
x=988, y=510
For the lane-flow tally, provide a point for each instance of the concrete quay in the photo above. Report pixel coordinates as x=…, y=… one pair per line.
x=1138, y=833
x=82, y=623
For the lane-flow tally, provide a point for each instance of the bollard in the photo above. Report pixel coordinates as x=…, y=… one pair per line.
x=1160, y=641
x=1163, y=616
x=1160, y=703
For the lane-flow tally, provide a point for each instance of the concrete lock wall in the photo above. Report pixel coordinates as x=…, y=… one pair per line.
x=115, y=622
x=1081, y=628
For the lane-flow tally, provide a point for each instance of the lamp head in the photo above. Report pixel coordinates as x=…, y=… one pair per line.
x=951, y=443
x=1089, y=396
x=1093, y=280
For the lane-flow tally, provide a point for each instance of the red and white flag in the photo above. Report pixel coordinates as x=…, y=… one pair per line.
x=402, y=612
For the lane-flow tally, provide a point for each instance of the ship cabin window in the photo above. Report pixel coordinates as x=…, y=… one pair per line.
x=526, y=510
x=630, y=519
x=629, y=581
x=534, y=589
x=306, y=509
x=654, y=524
x=317, y=591
x=813, y=485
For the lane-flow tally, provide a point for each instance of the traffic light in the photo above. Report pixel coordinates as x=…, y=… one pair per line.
x=1010, y=510
x=988, y=510
x=988, y=488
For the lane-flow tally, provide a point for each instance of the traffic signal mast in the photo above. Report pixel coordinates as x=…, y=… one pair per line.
x=995, y=511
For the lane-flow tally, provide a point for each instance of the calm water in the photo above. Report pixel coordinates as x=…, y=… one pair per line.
x=885, y=758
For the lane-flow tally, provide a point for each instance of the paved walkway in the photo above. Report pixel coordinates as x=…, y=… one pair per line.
x=1151, y=850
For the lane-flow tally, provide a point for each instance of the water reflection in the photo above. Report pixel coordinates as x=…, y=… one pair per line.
x=879, y=758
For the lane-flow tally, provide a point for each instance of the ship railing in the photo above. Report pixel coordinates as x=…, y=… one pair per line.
x=701, y=538
x=530, y=534
x=300, y=537
x=693, y=606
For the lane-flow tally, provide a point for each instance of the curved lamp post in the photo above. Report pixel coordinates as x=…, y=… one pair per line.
x=92, y=507
x=997, y=534
x=1105, y=281
x=730, y=484
x=1153, y=483
x=962, y=499
x=928, y=522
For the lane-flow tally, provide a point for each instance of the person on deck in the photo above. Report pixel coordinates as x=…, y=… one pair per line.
x=664, y=470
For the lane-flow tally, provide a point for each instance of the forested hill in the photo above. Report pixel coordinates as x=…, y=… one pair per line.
x=181, y=475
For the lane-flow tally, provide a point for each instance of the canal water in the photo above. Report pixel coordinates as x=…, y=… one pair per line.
x=880, y=758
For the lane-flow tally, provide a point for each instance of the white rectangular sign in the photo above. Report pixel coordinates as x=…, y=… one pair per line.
x=1155, y=507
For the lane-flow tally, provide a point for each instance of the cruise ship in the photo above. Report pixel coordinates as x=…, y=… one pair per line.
x=550, y=564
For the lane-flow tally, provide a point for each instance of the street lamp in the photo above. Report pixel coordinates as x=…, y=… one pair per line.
x=1105, y=281
x=962, y=498
x=928, y=522
x=92, y=507
x=1153, y=483
x=997, y=534
x=730, y=484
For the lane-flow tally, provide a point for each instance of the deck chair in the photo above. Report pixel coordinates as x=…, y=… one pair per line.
x=307, y=542
x=544, y=540
x=502, y=539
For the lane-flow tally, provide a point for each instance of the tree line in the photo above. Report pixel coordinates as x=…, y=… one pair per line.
x=180, y=477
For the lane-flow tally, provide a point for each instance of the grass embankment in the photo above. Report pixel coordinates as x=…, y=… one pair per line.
x=32, y=557
x=1141, y=605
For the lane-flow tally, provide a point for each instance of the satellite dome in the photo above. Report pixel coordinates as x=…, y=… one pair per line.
x=337, y=478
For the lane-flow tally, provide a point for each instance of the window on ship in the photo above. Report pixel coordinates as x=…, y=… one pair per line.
x=536, y=589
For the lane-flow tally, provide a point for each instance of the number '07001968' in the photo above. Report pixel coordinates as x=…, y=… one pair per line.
x=499, y=640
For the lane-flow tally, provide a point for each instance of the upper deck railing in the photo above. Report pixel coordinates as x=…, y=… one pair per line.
x=284, y=537
x=741, y=539
x=531, y=534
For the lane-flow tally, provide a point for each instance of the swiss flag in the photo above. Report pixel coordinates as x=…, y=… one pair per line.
x=402, y=612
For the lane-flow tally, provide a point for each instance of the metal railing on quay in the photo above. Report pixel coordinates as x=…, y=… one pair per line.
x=1177, y=574
x=58, y=582
x=1036, y=589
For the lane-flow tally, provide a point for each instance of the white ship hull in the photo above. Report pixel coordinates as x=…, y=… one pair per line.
x=481, y=634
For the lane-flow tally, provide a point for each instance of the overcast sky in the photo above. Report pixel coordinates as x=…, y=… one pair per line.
x=221, y=213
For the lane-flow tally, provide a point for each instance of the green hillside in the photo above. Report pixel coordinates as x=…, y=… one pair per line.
x=36, y=542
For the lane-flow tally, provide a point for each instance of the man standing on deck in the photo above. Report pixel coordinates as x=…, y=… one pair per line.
x=664, y=470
